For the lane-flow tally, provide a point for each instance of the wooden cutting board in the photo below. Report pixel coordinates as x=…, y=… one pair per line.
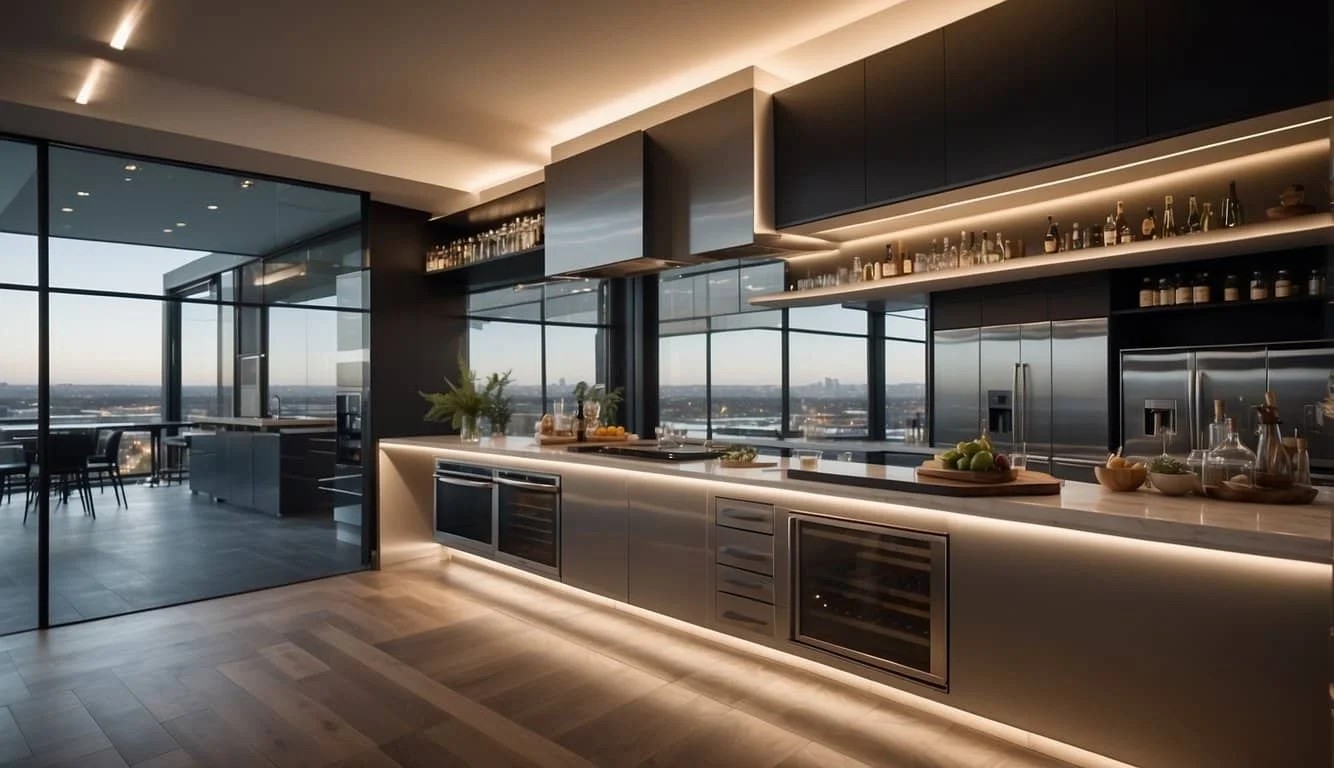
x=936, y=471
x=1025, y=483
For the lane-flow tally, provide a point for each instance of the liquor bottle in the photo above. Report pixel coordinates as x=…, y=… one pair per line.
x=1231, y=206
x=1202, y=292
x=1169, y=228
x=1148, y=295
x=937, y=256
x=1207, y=218
x=1002, y=252
x=1123, y=234
x=888, y=267
x=1315, y=284
x=1148, y=229
x=1193, y=216
x=579, y=422
x=950, y=255
x=1109, y=231
x=965, y=250
x=1185, y=292
x=1075, y=236
x=1052, y=241
x=984, y=249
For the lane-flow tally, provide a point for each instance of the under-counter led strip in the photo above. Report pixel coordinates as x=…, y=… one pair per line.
x=1063, y=180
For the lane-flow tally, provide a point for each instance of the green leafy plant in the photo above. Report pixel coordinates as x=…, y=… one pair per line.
x=461, y=401
x=581, y=391
x=609, y=401
x=499, y=406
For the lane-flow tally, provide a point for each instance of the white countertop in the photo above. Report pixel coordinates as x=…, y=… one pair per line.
x=1289, y=532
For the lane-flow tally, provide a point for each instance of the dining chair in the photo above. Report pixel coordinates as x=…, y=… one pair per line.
x=13, y=464
x=105, y=463
x=67, y=462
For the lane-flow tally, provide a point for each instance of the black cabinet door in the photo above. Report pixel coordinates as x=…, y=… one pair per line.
x=905, y=120
x=1028, y=83
x=820, y=146
x=1211, y=63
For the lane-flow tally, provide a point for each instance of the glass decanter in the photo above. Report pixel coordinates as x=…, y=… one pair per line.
x=1230, y=460
x=1273, y=466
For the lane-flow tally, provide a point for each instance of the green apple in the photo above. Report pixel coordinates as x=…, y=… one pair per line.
x=983, y=461
x=970, y=449
x=963, y=462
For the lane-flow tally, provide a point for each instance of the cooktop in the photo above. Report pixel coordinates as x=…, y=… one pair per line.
x=649, y=452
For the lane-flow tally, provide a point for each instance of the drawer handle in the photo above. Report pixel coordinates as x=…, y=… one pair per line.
x=734, y=616
x=744, y=554
x=735, y=515
x=746, y=584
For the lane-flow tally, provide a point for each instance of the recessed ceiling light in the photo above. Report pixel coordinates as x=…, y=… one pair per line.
x=247, y=183
x=89, y=83
x=180, y=224
x=211, y=207
x=168, y=230
x=81, y=194
x=129, y=178
x=121, y=37
x=67, y=210
x=131, y=167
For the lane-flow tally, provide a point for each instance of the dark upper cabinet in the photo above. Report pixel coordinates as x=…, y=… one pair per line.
x=1029, y=83
x=905, y=120
x=820, y=146
x=1211, y=63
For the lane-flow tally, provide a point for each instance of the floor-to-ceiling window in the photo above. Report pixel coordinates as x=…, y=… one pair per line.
x=162, y=283
x=730, y=370
x=548, y=338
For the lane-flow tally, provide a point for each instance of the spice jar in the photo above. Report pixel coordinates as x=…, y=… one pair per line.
x=1200, y=293
x=1148, y=295
x=1283, y=284
x=1231, y=289
x=1259, y=288
x=1185, y=292
x=1166, y=295
x=1315, y=285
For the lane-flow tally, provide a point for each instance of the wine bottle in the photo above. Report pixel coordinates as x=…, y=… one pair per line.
x=1148, y=228
x=1052, y=241
x=1123, y=233
x=1207, y=218
x=1109, y=231
x=1075, y=236
x=1193, y=223
x=1169, y=228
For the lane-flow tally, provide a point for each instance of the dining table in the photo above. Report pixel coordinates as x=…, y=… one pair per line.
x=26, y=434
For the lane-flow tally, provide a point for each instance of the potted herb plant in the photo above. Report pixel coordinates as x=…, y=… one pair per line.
x=609, y=402
x=499, y=406
x=462, y=406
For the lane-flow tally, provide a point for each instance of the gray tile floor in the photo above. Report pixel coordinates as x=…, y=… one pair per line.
x=167, y=547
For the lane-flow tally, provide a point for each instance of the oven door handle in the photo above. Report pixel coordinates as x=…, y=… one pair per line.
x=535, y=487
x=464, y=483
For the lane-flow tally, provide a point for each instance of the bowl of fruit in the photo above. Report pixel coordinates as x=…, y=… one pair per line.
x=1121, y=474
x=1172, y=477
x=742, y=457
x=975, y=461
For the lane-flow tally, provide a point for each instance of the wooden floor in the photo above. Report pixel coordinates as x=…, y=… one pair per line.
x=438, y=664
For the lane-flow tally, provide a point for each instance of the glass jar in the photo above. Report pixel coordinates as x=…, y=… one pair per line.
x=1185, y=292
x=1259, y=288
x=1231, y=288
x=1200, y=293
x=1148, y=293
x=1283, y=284
x=1315, y=285
x=1166, y=293
x=1273, y=467
x=1230, y=460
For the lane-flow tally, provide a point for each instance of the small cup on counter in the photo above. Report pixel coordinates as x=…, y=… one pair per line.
x=807, y=459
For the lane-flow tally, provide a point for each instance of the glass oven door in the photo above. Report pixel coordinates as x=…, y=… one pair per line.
x=873, y=594
x=465, y=507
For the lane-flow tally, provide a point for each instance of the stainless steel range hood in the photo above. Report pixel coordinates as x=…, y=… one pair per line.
x=694, y=189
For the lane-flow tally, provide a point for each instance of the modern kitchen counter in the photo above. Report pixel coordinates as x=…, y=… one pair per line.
x=1289, y=532
x=262, y=424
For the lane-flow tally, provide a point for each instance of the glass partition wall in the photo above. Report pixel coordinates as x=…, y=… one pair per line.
x=157, y=319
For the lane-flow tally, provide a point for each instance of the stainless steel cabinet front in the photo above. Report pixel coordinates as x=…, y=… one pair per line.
x=746, y=550
x=744, y=584
x=669, y=556
x=747, y=515
x=750, y=615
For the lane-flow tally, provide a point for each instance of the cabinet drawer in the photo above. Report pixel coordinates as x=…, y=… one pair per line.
x=746, y=550
x=744, y=583
x=747, y=515
x=750, y=615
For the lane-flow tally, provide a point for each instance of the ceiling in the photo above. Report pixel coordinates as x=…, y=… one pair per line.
x=420, y=102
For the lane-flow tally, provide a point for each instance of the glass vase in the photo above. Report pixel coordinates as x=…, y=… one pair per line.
x=470, y=429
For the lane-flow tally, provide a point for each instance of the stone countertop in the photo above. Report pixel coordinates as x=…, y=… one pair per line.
x=1288, y=532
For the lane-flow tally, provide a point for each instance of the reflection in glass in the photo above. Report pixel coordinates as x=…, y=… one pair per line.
x=496, y=347
x=905, y=390
x=302, y=360
x=18, y=406
x=18, y=213
x=829, y=396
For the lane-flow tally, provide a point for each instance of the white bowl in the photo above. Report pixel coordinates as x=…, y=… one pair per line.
x=1176, y=484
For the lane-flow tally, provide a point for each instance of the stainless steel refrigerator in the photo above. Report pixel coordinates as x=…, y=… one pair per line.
x=1039, y=388
x=1175, y=390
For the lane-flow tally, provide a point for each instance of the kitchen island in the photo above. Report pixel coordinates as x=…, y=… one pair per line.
x=1151, y=630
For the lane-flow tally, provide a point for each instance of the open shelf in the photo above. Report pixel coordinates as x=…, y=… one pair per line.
x=1299, y=232
x=499, y=271
x=1290, y=300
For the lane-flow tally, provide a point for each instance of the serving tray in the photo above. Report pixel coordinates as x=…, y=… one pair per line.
x=1229, y=491
x=934, y=468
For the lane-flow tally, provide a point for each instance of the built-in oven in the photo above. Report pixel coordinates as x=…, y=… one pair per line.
x=528, y=520
x=465, y=504
x=874, y=594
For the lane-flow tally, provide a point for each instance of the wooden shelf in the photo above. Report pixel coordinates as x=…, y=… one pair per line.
x=1301, y=232
x=1291, y=300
